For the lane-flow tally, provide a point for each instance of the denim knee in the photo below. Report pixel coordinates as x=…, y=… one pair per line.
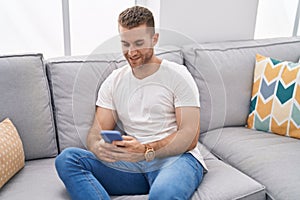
x=64, y=160
x=166, y=193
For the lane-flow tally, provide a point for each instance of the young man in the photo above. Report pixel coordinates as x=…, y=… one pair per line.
x=157, y=102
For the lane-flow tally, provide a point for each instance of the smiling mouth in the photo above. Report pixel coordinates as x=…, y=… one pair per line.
x=134, y=59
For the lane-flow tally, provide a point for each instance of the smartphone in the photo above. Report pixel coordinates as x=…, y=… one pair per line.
x=109, y=136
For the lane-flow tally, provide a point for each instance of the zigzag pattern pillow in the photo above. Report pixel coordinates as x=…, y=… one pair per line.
x=275, y=101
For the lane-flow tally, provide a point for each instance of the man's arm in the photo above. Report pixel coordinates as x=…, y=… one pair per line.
x=186, y=136
x=181, y=141
x=105, y=119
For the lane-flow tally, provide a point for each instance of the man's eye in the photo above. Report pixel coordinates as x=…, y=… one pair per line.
x=125, y=45
x=139, y=44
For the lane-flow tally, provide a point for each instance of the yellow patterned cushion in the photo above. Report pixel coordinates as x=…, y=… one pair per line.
x=12, y=157
x=275, y=101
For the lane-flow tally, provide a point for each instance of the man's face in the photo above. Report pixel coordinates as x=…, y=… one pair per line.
x=137, y=45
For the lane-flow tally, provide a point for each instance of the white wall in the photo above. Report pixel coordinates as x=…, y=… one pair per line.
x=206, y=20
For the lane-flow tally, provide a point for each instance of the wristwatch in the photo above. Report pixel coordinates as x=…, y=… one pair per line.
x=149, y=153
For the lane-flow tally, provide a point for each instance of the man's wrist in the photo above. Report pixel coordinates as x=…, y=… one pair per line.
x=149, y=153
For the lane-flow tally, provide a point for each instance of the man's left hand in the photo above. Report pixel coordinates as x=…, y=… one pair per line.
x=132, y=149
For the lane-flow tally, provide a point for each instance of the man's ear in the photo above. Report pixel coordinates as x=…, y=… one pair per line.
x=155, y=39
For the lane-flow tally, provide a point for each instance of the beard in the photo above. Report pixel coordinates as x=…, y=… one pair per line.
x=140, y=59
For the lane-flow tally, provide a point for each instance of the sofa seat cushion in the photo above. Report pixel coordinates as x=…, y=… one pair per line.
x=75, y=82
x=37, y=180
x=270, y=159
x=219, y=182
x=25, y=99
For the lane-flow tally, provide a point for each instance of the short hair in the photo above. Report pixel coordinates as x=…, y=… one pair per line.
x=136, y=16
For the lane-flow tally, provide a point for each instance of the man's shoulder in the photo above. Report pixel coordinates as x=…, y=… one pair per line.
x=171, y=63
x=120, y=71
x=173, y=67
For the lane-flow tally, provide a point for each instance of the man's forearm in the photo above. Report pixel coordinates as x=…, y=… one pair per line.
x=177, y=143
x=93, y=136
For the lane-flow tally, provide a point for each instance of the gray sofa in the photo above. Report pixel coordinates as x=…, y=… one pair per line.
x=52, y=104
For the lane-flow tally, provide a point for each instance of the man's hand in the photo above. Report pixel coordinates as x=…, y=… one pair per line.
x=131, y=144
x=129, y=149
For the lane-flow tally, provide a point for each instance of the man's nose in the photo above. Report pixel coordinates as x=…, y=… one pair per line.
x=132, y=51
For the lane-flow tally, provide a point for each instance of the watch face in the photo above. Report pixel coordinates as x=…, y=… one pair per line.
x=150, y=154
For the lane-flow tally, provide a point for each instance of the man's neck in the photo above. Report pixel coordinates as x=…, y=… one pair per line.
x=148, y=69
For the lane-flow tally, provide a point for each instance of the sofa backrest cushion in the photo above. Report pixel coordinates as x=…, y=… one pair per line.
x=25, y=99
x=75, y=82
x=224, y=74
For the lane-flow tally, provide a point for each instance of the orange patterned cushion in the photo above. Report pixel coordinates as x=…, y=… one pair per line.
x=275, y=102
x=12, y=157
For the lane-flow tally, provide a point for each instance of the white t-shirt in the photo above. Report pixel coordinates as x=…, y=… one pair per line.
x=146, y=107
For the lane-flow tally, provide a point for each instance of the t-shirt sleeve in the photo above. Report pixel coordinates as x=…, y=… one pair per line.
x=105, y=97
x=186, y=90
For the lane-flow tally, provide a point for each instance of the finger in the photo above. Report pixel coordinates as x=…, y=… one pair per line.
x=120, y=143
x=126, y=141
x=125, y=156
x=127, y=137
x=107, y=157
x=107, y=147
x=116, y=149
x=109, y=160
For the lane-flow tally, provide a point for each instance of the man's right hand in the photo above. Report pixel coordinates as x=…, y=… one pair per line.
x=105, y=151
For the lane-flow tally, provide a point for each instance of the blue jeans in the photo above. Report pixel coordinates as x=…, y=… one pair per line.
x=86, y=177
